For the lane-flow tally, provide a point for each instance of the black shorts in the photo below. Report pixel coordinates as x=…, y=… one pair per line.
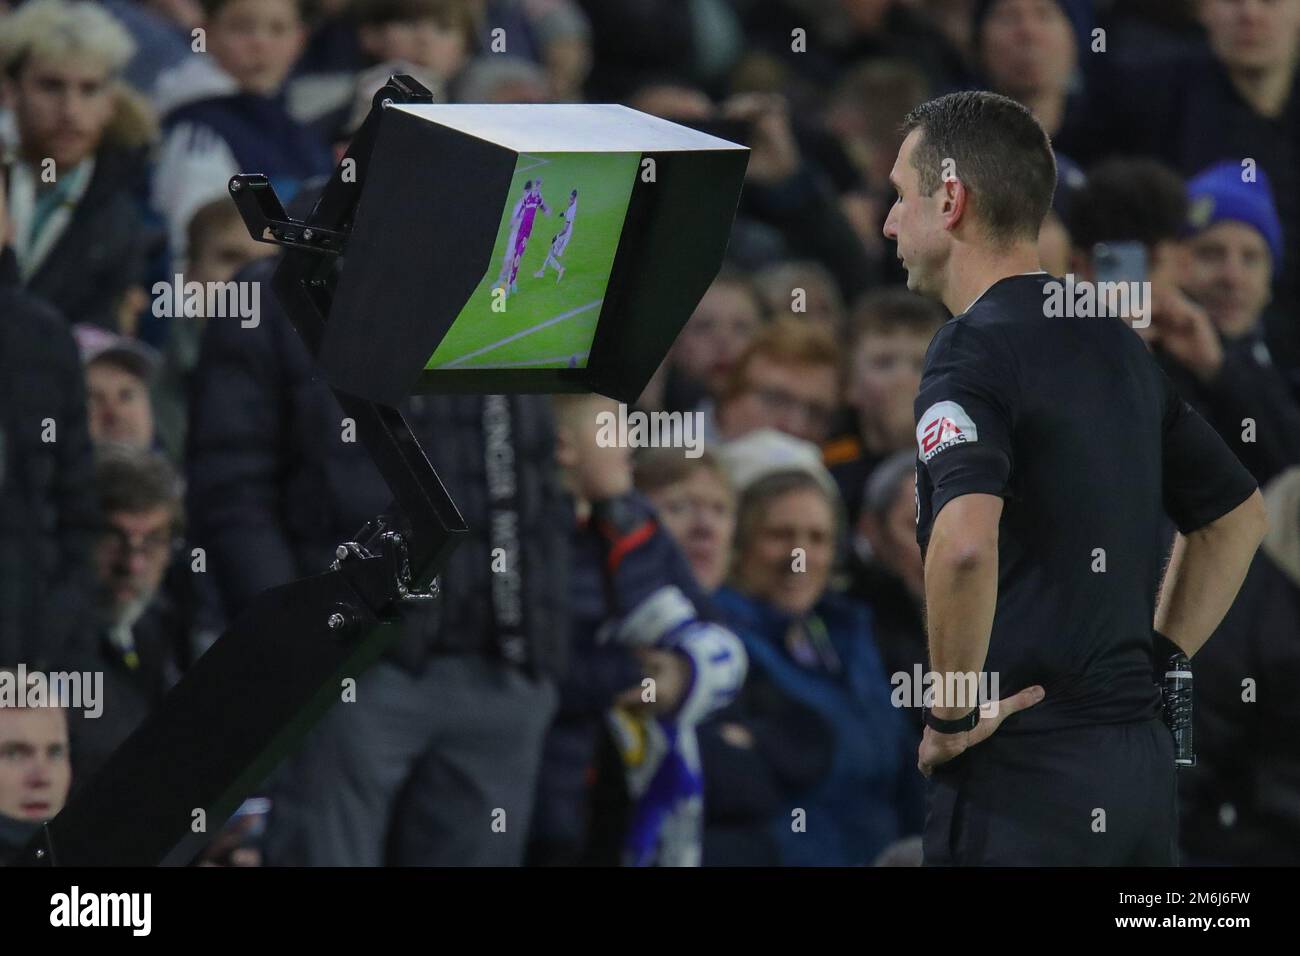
x=1101, y=795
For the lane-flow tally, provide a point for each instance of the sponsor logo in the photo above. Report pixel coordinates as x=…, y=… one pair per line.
x=943, y=425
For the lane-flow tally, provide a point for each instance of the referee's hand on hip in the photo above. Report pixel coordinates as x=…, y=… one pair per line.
x=938, y=748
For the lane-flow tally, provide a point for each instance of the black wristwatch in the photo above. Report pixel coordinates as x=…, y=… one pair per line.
x=958, y=726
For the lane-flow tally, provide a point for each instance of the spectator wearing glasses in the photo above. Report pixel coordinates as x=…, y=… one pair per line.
x=141, y=633
x=788, y=379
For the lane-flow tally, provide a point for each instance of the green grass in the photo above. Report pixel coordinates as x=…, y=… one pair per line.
x=478, y=337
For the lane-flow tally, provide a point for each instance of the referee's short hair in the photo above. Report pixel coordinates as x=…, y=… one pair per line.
x=997, y=150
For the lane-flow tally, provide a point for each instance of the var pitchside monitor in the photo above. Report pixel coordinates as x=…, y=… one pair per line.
x=526, y=248
x=539, y=301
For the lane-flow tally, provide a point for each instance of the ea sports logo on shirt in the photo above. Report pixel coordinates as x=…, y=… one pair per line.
x=943, y=425
x=940, y=430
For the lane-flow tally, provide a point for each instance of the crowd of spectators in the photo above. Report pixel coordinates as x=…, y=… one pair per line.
x=707, y=665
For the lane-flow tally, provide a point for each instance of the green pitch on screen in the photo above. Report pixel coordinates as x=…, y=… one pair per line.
x=547, y=321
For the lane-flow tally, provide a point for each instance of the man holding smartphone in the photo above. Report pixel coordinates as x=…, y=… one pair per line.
x=1129, y=223
x=1050, y=451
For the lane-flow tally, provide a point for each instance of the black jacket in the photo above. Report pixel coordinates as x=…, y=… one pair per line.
x=274, y=488
x=106, y=246
x=1240, y=805
x=1248, y=386
x=134, y=685
x=14, y=835
x=48, y=512
x=898, y=625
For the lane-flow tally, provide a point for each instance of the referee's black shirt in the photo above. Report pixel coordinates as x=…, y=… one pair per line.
x=1074, y=425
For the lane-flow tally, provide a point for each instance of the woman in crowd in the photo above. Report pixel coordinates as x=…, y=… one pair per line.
x=814, y=650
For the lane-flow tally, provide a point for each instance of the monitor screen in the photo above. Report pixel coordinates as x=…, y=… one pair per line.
x=538, y=303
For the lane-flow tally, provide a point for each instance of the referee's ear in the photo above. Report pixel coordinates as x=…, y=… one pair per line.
x=956, y=203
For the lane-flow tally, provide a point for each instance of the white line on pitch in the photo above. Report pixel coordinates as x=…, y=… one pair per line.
x=546, y=361
x=524, y=169
x=519, y=335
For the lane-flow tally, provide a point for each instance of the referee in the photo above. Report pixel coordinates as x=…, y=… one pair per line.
x=1052, y=452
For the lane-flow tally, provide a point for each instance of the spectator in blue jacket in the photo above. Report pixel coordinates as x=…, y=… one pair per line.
x=817, y=648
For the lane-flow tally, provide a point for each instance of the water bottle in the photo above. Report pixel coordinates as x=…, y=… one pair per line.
x=1176, y=698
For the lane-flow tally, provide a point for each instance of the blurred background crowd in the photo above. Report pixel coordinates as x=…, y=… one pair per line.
x=157, y=473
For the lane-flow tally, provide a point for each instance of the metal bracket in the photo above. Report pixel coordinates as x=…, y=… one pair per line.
x=263, y=213
x=394, y=553
x=405, y=593
x=349, y=549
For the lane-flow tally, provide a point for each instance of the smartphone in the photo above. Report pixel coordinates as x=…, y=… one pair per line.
x=1125, y=264
x=1120, y=261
